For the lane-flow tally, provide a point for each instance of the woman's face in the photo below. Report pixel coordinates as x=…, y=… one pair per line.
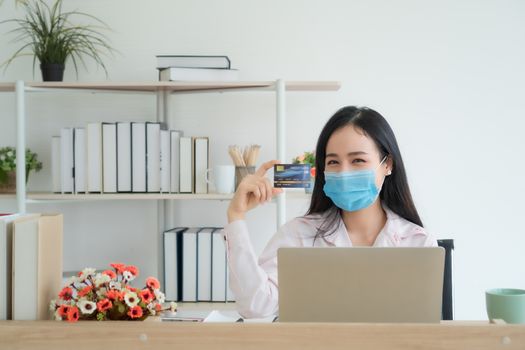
x=349, y=149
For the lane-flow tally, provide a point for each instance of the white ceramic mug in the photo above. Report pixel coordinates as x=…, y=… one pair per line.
x=222, y=177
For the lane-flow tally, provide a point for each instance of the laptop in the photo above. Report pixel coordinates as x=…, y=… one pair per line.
x=360, y=284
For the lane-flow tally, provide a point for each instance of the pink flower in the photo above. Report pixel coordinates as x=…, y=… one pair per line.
x=66, y=293
x=132, y=289
x=135, y=312
x=147, y=296
x=114, y=295
x=63, y=309
x=85, y=291
x=153, y=283
x=110, y=273
x=119, y=267
x=133, y=269
x=104, y=304
x=73, y=314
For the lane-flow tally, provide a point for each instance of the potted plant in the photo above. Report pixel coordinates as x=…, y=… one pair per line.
x=307, y=158
x=49, y=34
x=8, y=168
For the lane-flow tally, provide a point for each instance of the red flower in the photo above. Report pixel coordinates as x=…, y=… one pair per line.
x=132, y=289
x=152, y=283
x=118, y=267
x=104, y=304
x=63, y=309
x=110, y=273
x=158, y=307
x=133, y=269
x=312, y=172
x=73, y=314
x=114, y=295
x=147, y=296
x=66, y=293
x=135, y=312
x=85, y=291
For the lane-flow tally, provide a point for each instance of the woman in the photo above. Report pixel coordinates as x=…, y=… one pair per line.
x=360, y=198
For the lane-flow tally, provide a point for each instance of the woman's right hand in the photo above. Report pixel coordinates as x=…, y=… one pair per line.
x=253, y=190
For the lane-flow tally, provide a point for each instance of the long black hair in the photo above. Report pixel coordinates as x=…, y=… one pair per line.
x=395, y=193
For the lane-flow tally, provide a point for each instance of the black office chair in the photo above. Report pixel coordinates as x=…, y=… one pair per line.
x=447, y=309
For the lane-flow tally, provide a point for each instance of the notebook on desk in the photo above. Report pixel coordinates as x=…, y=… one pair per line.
x=360, y=284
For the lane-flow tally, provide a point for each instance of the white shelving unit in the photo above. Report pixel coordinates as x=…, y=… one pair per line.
x=162, y=91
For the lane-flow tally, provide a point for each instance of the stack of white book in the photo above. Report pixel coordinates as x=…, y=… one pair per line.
x=195, y=68
x=195, y=266
x=128, y=157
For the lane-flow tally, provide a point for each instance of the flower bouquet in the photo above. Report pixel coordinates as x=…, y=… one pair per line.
x=307, y=158
x=108, y=296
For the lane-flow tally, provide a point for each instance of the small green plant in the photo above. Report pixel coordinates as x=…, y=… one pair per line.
x=8, y=162
x=306, y=158
x=49, y=34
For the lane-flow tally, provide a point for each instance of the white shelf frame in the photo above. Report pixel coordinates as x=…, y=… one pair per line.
x=162, y=90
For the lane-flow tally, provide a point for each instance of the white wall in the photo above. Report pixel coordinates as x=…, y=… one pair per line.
x=447, y=75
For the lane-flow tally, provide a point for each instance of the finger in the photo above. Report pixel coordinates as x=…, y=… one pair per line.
x=262, y=188
x=276, y=191
x=269, y=191
x=266, y=166
x=256, y=192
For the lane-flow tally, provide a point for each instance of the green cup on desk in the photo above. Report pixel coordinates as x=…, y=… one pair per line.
x=506, y=304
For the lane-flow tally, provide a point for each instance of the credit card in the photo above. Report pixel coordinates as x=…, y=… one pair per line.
x=291, y=175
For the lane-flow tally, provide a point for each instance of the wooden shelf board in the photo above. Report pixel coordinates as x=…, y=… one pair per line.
x=37, y=196
x=49, y=196
x=177, y=86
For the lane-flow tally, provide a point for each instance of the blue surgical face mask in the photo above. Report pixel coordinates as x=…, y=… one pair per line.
x=352, y=190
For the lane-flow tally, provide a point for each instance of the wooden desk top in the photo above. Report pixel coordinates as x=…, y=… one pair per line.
x=91, y=335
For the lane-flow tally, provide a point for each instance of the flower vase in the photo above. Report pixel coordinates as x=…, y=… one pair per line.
x=9, y=185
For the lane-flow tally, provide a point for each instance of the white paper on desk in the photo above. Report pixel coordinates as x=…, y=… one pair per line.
x=231, y=316
x=205, y=316
x=222, y=317
x=185, y=315
x=214, y=316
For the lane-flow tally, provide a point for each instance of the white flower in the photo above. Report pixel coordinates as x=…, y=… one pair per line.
x=151, y=308
x=88, y=271
x=101, y=292
x=57, y=316
x=72, y=280
x=2, y=157
x=100, y=279
x=53, y=305
x=128, y=276
x=159, y=296
x=173, y=306
x=131, y=299
x=115, y=285
x=9, y=154
x=86, y=307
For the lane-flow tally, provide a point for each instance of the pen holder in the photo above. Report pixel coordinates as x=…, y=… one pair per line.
x=241, y=172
